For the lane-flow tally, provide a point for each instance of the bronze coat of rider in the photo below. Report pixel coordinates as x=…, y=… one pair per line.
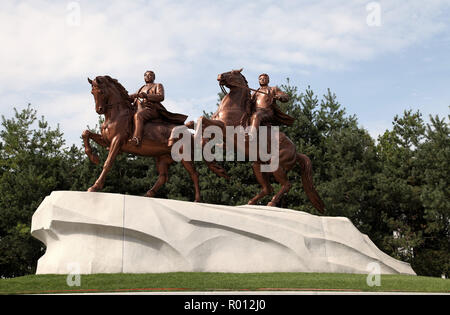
x=148, y=101
x=264, y=109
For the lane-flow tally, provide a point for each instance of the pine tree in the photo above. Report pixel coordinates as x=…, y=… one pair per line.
x=33, y=163
x=433, y=167
x=413, y=192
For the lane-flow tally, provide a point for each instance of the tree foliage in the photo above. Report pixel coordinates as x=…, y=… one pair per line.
x=413, y=192
x=33, y=163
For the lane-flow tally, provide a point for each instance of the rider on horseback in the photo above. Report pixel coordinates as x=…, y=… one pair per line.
x=264, y=109
x=148, y=100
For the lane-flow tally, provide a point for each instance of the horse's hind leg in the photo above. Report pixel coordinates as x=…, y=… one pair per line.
x=281, y=177
x=162, y=165
x=189, y=166
x=263, y=180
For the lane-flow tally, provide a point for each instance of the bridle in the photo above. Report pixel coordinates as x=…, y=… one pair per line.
x=224, y=91
x=240, y=86
x=222, y=87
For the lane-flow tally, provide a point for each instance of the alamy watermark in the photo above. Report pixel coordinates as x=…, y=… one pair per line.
x=74, y=274
x=373, y=18
x=374, y=276
x=73, y=14
x=263, y=145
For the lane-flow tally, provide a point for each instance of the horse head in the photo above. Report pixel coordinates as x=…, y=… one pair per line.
x=100, y=93
x=232, y=79
x=109, y=93
x=235, y=104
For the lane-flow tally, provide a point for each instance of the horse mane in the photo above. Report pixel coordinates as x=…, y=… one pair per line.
x=245, y=80
x=248, y=99
x=122, y=91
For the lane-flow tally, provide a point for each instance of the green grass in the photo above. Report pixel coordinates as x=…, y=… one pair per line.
x=198, y=281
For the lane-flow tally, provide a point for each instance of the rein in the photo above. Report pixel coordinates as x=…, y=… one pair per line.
x=223, y=89
x=241, y=86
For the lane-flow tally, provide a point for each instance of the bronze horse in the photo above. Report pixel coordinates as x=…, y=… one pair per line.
x=232, y=110
x=112, y=101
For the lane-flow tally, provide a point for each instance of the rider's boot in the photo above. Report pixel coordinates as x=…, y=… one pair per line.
x=135, y=141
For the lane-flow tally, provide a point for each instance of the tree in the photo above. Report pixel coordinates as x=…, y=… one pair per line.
x=413, y=192
x=398, y=189
x=433, y=167
x=33, y=163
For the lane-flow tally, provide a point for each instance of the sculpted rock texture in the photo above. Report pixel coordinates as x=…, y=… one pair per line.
x=113, y=233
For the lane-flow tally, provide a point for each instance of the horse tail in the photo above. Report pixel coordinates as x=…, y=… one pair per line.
x=308, y=186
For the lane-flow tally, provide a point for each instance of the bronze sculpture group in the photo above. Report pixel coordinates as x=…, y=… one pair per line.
x=139, y=124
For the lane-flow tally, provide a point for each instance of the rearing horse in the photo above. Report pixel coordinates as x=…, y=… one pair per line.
x=232, y=109
x=112, y=101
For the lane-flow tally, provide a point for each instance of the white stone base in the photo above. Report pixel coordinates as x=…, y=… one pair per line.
x=112, y=233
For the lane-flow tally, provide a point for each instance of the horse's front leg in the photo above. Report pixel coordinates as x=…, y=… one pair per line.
x=114, y=149
x=202, y=124
x=87, y=135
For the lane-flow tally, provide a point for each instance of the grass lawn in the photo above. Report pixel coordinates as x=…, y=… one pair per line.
x=199, y=281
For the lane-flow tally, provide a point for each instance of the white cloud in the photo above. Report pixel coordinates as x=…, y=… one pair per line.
x=72, y=111
x=192, y=106
x=188, y=41
x=39, y=46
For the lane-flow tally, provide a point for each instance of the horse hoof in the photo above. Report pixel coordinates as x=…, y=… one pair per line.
x=149, y=194
x=92, y=189
x=272, y=204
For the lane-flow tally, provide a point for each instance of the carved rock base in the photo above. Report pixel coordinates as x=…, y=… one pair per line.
x=113, y=233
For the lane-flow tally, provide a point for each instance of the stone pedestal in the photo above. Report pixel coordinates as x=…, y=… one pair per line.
x=113, y=233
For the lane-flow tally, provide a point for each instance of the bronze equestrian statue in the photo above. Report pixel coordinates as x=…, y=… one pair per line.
x=234, y=111
x=112, y=101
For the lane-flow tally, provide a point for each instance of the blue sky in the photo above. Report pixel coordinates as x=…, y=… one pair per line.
x=379, y=57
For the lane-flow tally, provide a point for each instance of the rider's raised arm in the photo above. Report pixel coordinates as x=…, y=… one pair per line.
x=280, y=95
